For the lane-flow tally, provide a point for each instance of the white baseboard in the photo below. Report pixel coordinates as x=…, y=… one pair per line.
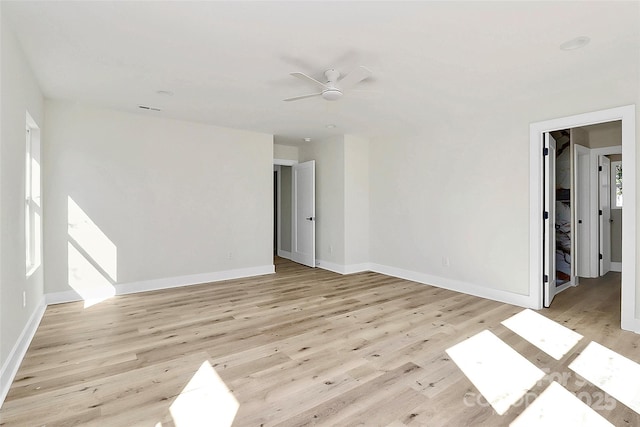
x=428, y=279
x=193, y=279
x=616, y=266
x=357, y=268
x=343, y=269
x=167, y=283
x=62, y=297
x=285, y=254
x=456, y=285
x=10, y=367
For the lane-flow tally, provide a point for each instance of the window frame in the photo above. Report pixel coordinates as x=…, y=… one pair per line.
x=32, y=198
x=614, y=186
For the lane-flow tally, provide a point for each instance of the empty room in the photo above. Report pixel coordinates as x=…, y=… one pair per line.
x=380, y=213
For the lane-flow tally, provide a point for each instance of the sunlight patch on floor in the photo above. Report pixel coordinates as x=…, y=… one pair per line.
x=557, y=406
x=205, y=401
x=549, y=336
x=612, y=372
x=499, y=373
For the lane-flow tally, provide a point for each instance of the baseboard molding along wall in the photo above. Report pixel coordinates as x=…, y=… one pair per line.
x=616, y=266
x=428, y=279
x=343, y=269
x=167, y=283
x=10, y=367
x=456, y=285
x=285, y=254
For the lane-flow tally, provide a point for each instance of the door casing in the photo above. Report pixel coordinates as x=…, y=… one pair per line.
x=604, y=199
x=627, y=115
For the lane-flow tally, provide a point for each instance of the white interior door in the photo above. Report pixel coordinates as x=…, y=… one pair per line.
x=304, y=217
x=604, y=181
x=549, y=219
x=582, y=164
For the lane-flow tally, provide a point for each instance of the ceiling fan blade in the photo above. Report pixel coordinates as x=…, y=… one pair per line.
x=295, y=98
x=355, y=77
x=304, y=77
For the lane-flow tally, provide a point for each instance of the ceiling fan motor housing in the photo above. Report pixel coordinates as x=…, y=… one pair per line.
x=332, y=94
x=332, y=90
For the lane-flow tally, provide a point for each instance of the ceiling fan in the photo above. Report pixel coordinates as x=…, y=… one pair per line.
x=335, y=85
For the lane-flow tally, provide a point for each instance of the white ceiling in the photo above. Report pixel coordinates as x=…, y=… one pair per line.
x=228, y=63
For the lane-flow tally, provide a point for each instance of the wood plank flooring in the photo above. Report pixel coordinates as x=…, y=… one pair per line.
x=297, y=348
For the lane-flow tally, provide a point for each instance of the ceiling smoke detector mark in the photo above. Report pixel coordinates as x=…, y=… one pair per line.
x=164, y=92
x=307, y=140
x=330, y=126
x=146, y=107
x=576, y=43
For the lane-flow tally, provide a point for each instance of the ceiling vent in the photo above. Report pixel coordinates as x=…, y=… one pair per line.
x=146, y=107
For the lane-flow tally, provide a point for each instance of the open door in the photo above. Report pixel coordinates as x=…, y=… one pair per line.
x=604, y=195
x=549, y=219
x=304, y=218
x=582, y=162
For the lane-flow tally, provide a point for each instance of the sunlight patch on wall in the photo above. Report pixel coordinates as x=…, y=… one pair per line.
x=92, y=240
x=549, y=336
x=205, y=401
x=499, y=372
x=86, y=280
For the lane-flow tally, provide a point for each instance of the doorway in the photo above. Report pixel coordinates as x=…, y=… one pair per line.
x=294, y=211
x=626, y=115
x=276, y=193
x=282, y=212
x=587, y=235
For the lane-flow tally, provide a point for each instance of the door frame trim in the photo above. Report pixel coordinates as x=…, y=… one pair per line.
x=627, y=114
x=594, y=194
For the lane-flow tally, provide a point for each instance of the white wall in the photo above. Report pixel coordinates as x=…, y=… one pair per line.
x=285, y=152
x=459, y=189
x=448, y=194
x=175, y=198
x=342, y=201
x=20, y=93
x=356, y=200
x=607, y=135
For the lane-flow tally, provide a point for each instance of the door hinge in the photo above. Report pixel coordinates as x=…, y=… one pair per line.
x=599, y=256
x=545, y=215
x=545, y=278
x=545, y=151
x=600, y=212
x=599, y=168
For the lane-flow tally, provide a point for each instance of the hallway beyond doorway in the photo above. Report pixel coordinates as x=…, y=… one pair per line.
x=598, y=299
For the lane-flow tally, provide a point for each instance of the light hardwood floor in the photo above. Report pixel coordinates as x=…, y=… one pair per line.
x=301, y=347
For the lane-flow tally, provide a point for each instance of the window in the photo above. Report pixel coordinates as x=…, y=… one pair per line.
x=32, y=197
x=616, y=188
